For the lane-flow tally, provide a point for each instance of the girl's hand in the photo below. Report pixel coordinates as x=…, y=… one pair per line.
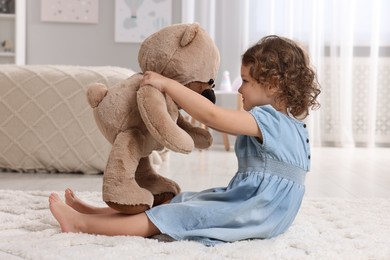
x=155, y=80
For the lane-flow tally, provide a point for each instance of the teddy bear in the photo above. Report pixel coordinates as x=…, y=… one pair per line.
x=138, y=121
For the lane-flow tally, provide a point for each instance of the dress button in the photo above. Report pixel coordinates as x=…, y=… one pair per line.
x=308, y=157
x=304, y=125
x=307, y=140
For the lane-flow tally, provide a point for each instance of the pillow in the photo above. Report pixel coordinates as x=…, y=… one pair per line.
x=46, y=124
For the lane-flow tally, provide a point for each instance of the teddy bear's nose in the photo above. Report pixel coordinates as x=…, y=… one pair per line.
x=209, y=94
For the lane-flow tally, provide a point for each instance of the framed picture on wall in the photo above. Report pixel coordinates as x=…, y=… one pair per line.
x=135, y=20
x=7, y=6
x=70, y=11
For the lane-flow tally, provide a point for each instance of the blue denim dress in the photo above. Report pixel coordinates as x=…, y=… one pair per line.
x=261, y=200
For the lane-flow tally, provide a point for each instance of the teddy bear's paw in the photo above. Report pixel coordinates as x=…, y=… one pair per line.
x=202, y=140
x=158, y=185
x=128, y=209
x=162, y=198
x=126, y=196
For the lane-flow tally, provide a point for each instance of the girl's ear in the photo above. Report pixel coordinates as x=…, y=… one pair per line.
x=272, y=88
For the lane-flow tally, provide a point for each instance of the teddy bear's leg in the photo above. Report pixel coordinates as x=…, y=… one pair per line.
x=162, y=188
x=120, y=189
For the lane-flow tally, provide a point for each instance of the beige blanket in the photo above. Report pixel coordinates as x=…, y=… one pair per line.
x=46, y=124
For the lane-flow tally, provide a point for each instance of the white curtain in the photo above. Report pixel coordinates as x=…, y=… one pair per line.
x=349, y=45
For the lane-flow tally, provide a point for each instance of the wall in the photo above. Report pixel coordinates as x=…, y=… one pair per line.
x=81, y=44
x=94, y=44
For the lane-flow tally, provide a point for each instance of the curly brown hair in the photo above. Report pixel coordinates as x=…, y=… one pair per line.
x=280, y=62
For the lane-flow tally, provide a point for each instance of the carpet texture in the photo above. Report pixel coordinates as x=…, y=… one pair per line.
x=325, y=228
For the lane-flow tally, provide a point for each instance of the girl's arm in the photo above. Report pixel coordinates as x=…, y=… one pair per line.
x=226, y=120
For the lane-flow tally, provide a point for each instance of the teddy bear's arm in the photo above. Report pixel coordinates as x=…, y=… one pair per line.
x=202, y=138
x=159, y=114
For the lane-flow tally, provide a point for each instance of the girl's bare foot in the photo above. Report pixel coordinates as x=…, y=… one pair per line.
x=73, y=201
x=68, y=218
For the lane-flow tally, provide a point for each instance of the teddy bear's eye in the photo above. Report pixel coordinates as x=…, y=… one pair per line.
x=211, y=83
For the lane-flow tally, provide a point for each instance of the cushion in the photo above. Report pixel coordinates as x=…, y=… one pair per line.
x=46, y=124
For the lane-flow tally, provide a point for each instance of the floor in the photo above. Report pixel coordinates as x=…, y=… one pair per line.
x=335, y=172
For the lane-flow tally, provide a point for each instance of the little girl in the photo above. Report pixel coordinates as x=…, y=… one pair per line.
x=272, y=147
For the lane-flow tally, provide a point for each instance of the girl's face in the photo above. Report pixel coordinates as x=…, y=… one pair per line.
x=253, y=93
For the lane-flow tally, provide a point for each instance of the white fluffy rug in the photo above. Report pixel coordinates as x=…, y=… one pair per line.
x=324, y=229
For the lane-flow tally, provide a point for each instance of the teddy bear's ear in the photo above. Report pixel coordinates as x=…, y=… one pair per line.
x=189, y=34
